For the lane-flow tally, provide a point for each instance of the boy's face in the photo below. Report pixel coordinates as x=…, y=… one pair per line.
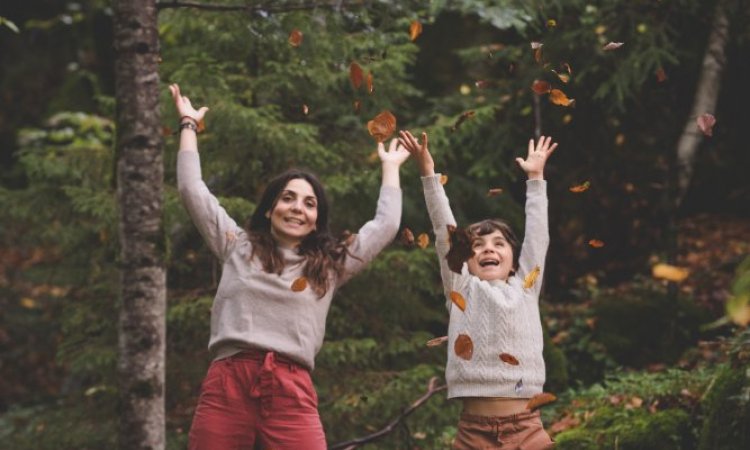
x=493, y=257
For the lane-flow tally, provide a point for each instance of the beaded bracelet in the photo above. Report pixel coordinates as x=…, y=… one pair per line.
x=190, y=125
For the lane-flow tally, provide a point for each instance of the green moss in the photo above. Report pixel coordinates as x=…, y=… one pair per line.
x=727, y=411
x=576, y=439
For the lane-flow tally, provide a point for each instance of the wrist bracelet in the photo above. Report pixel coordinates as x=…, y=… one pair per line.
x=190, y=125
x=188, y=118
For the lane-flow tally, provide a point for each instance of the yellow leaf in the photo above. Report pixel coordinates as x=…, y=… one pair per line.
x=669, y=272
x=530, y=279
x=415, y=29
x=443, y=179
x=28, y=303
x=423, y=240
x=459, y=300
x=558, y=97
x=738, y=309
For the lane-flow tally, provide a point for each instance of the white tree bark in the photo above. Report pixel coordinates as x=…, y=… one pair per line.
x=706, y=97
x=141, y=343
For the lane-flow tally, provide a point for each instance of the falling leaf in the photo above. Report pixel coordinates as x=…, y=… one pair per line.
x=541, y=87
x=519, y=386
x=461, y=119
x=443, y=179
x=407, y=237
x=463, y=346
x=706, y=123
x=612, y=46
x=538, y=55
x=437, y=341
x=661, y=75
x=355, y=75
x=481, y=84
x=567, y=67
x=669, y=272
x=530, y=279
x=596, y=243
x=382, y=126
x=558, y=97
x=540, y=400
x=493, y=192
x=460, y=250
x=551, y=23
x=415, y=29
x=28, y=303
x=299, y=284
x=583, y=187
x=423, y=240
x=509, y=359
x=295, y=38
x=201, y=126
x=536, y=45
x=458, y=300
x=305, y=109
x=564, y=77
x=370, y=83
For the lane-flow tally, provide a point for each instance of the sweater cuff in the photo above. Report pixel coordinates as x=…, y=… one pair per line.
x=431, y=183
x=536, y=186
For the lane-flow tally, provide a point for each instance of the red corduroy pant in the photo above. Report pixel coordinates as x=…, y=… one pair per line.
x=257, y=400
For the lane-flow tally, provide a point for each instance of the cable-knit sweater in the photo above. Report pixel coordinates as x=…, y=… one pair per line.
x=499, y=317
x=257, y=309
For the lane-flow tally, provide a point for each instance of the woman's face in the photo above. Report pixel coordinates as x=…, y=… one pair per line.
x=295, y=213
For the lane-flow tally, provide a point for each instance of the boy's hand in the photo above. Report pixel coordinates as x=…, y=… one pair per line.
x=395, y=155
x=534, y=163
x=420, y=151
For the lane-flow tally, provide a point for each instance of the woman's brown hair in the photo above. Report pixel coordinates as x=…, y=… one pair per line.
x=324, y=253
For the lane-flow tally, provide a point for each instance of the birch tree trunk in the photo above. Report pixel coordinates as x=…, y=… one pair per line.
x=706, y=96
x=141, y=343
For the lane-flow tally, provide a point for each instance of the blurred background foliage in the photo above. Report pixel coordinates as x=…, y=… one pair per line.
x=631, y=358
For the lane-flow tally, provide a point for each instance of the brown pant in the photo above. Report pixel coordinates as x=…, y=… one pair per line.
x=523, y=431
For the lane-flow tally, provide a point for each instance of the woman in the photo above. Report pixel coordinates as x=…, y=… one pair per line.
x=268, y=317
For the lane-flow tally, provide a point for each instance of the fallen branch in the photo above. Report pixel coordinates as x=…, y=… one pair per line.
x=268, y=8
x=432, y=389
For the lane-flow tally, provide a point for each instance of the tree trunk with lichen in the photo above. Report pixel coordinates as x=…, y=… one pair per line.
x=141, y=344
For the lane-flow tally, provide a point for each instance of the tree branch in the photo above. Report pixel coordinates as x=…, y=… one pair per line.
x=432, y=389
x=269, y=7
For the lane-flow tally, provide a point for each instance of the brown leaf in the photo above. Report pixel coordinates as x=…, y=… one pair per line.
x=382, y=126
x=461, y=119
x=509, y=359
x=596, y=243
x=530, y=279
x=493, y=192
x=463, y=347
x=423, y=240
x=437, y=341
x=443, y=179
x=458, y=300
x=407, y=237
x=706, y=123
x=580, y=188
x=558, y=97
x=541, y=87
x=370, y=85
x=612, y=46
x=540, y=400
x=564, y=77
x=201, y=126
x=460, y=250
x=415, y=29
x=355, y=75
x=661, y=75
x=295, y=38
x=299, y=284
x=537, y=47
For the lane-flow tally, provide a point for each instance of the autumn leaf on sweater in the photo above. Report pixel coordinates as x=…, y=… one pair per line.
x=437, y=341
x=415, y=29
x=530, y=279
x=460, y=250
x=295, y=38
x=458, y=300
x=299, y=284
x=463, y=347
x=423, y=240
x=540, y=400
x=509, y=359
x=382, y=126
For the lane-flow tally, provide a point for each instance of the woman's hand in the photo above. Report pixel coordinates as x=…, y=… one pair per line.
x=395, y=155
x=420, y=151
x=534, y=163
x=184, y=107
